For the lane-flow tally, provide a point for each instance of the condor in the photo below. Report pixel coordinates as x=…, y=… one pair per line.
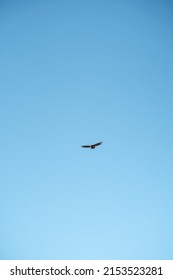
x=92, y=146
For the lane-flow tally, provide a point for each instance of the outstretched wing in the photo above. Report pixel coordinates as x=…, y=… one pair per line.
x=97, y=144
x=86, y=146
x=92, y=146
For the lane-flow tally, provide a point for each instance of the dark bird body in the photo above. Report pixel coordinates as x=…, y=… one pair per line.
x=92, y=146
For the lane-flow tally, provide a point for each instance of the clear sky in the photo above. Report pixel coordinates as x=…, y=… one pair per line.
x=73, y=73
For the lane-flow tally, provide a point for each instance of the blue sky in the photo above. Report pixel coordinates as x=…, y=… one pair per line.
x=73, y=73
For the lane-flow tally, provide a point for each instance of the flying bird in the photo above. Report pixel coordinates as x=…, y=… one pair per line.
x=92, y=146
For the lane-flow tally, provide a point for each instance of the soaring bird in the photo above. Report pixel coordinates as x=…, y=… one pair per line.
x=92, y=146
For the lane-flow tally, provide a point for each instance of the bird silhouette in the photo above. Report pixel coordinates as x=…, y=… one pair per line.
x=92, y=146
